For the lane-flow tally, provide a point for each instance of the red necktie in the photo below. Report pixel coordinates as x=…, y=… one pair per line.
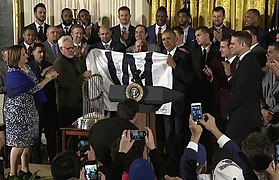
x=159, y=36
x=30, y=51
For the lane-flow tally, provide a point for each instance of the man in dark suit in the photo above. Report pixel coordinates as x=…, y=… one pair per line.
x=67, y=22
x=155, y=31
x=180, y=34
x=39, y=25
x=29, y=37
x=256, y=48
x=252, y=18
x=177, y=132
x=184, y=18
x=90, y=29
x=107, y=42
x=124, y=32
x=50, y=45
x=219, y=30
x=243, y=110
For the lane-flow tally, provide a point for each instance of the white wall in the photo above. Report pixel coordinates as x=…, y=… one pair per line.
x=102, y=11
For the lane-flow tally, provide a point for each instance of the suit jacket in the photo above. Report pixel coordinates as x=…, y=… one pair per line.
x=151, y=48
x=3, y=71
x=264, y=38
x=59, y=26
x=49, y=54
x=244, y=104
x=152, y=38
x=116, y=33
x=115, y=46
x=33, y=26
x=68, y=83
x=203, y=88
x=191, y=39
x=260, y=53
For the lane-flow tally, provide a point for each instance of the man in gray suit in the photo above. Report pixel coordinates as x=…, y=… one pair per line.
x=51, y=46
x=270, y=84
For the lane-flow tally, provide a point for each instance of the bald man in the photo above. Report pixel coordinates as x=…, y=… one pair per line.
x=141, y=45
x=107, y=41
x=51, y=46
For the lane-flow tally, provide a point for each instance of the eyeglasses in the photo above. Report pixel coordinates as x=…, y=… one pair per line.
x=69, y=48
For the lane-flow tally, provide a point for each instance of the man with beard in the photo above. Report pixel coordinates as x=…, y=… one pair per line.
x=90, y=29
x=51, y=46
x=155, y=31
x=219, y=30
x=67, y=21
x=39, y=25
x=184, y=17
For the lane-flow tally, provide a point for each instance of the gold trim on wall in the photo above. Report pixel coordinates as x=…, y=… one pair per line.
x=17, y=19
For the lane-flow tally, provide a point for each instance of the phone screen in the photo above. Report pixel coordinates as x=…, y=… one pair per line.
x=277, y=152
x=83, y=146
x=196, y=111
x=91, y=172
x=137, y=135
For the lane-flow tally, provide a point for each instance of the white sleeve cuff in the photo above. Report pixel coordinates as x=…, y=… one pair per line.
x=193, y=145
x=223, y=140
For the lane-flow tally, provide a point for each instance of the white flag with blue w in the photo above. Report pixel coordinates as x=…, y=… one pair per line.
x=116, y=68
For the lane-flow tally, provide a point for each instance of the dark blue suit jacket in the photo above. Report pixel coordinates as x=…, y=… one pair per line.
x=191, y=39
x=116, y=33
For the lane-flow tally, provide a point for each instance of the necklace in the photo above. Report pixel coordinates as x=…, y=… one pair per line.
x=24, y=69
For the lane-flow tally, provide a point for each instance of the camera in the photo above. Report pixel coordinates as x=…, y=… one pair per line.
x=91, y=170
x=196, y=111
x=83, y=146
x=137, y=134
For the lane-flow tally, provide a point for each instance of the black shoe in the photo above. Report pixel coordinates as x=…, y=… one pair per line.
x=27, y=175
x=12, y=177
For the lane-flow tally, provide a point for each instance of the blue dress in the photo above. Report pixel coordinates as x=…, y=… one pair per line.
x=22, y=118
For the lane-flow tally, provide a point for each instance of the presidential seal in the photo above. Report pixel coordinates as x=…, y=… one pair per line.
x=134, y=91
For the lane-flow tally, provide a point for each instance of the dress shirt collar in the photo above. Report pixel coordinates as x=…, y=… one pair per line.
x=231, y=59
x=68, y=27
x=27, y=45
x=78, y=45
x=172, y=51
x=38, y=25
x=163, y=28
x=207, y=48
x=253, y=46
x=126, y=26
x=108, y=43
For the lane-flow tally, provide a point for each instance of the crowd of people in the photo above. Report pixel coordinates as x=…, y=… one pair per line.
x=233, y=74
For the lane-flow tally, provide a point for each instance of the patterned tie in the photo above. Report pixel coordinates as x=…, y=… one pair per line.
x=107, y=47
x=66, y=30
x=159, y=36
x=54, y=50
x=30, y=51
x=123, y=29
x=41, y=33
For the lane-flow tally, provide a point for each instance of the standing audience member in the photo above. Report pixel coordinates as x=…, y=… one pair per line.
x=29, y=37
x=67, y=21
x=90, y=29
x=179, y=35
x=243, y=109
x=51, y=46
x=252, y=18
x=184, y=18
x=124, y=32
x=155, y=31
x=256, y=48
x=22, y=120
x=39, y=24
x=69, y=82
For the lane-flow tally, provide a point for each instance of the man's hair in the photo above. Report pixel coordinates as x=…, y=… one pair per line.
x=76, y=26
x=227, y=39
x=259, y=150
x=83, y=10
x=170, y=31
x=163, y=9
x=255, y=12
x=204, y=29
x=127, y=109
x=243, y=37
x=65, y=9
x=218, y=9
x=184, y=10
x=141, y=25
x=124, y=8
x=253, y=30
x=275, y=45
x=28, y=28
x=38, y=45
x=178, y=29
x=63, y=39
x=39, y=5
x=65, y=165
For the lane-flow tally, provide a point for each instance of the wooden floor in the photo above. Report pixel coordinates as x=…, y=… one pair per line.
x=43, y=170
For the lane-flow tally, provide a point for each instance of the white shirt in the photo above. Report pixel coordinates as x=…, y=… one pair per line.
x=231, y=59
x=126, y=26
x=108, y=43
x=38, y=26
x=68, y=28
x=172, y=51
x=253, y=46
x=186, y=30
x=163, y=28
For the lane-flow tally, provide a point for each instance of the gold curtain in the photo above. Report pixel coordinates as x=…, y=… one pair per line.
x=172, y=6
x=201, y=11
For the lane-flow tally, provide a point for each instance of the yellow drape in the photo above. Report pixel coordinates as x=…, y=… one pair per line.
x=201, y=11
